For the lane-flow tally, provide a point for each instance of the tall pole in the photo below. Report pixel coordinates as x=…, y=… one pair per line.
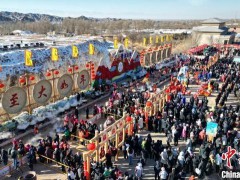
x=28, y=93
x=53, y=84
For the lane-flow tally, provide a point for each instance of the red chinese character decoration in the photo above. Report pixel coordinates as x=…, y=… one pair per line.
x=228, y=155
x=13, y=100
x=64, y=85
x=41, y=92
x=82, y=79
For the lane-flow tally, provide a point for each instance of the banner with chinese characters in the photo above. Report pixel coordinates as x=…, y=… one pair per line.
x=14, y=100
x=162, y=38
x=28, y=58
x=150, y=40
x=65, y=85
x=167, y=38
x=91, y=49
x=126, y=43
x=54, y=54
x=83, y=79
x=42, y=92
x=115, y=43
x=75, y=52
x=144, y=41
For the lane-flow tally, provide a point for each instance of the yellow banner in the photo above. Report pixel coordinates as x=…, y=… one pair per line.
x=162, y=38
x=75, y=52
x=54, y=54
x=28, y=58
x=91, y=49
x=126, y=43
x=167, y=38
x=171, y=37
x=157, y=39
x=150, y=40
x=144, y=41
x=115, y=43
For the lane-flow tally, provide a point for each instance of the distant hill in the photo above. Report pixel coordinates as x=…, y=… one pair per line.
x=9, y=17
x=6, y=16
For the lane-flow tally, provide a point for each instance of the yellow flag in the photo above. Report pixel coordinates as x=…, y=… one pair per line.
x=156, y=40
x=91, y=49
x=28, y=58
x=54, y=53
x=167, y=38
x=126, y=42
x=150, y=40
x=115, y=43
x=162, y=38
x=74, y=51
x=144, y=41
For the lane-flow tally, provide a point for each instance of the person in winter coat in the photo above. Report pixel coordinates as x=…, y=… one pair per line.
x=30, y=161
x=138, y=171
x=163, y=174
x=157, y=170
x=164, y=157
x=181, y=158
x=4, y=155
x=56, y=155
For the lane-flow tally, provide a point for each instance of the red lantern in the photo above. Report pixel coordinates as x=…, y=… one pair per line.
x=93, y=72
x=148, y=104
x=76, y=68
x=128, y=119
x=70, y=69
x=87, y=65
x=48, y=74
x=22, y=80
x=31, y=78
x=92, y=65
x=56, y=72
x=1, y=85
x=91, y=146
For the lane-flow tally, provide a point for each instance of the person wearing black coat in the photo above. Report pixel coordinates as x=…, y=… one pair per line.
x=40, y=151
x=4, y=155
x=30, y=161
x=56, y=155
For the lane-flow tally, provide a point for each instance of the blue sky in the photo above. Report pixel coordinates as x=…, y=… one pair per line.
x=136, y=9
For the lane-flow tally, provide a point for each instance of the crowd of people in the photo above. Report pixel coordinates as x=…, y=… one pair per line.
x=180, y=120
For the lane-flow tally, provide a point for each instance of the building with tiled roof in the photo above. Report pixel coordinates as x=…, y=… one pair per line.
x=212, y=31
